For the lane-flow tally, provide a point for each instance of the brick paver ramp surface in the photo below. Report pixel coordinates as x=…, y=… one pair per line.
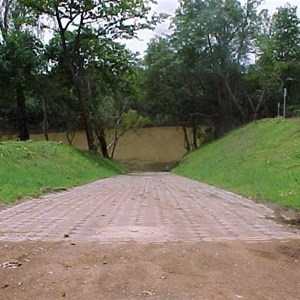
x=141, y=207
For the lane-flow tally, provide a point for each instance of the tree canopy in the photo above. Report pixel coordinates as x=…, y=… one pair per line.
x=225, y=63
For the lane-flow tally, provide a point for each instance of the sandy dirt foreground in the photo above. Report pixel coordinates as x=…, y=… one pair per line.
x=146, y=236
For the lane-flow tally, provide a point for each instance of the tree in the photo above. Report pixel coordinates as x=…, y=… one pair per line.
x=217, y=37
x=175, y=89
x=278, y=65
x=113, y=87
x=18, y=59
x=81, y=22
x=158, y=81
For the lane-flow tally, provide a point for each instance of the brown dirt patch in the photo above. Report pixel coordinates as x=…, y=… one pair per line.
x=205, y=270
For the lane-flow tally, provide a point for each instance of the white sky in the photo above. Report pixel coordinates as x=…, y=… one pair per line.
x=169, y=7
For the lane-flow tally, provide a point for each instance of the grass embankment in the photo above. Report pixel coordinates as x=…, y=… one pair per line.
x=30, y=168
x=260, y=160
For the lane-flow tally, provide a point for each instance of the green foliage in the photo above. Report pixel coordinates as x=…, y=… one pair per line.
x=216, y=29
x=85, y=32
x=106, y=17
x=260, y=160
x=131, y=120
x=285, y=34
x=160, y=81
x=126, y=121
x=30, y=168
x=18, y=59
x=197, y=75
x=278, y=64
x=205, y=72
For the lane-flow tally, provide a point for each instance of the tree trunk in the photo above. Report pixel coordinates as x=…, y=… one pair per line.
x=114, y=143
x=187, y=145
x=22, y=116
x=70, y=134
x=82, y=95
x=226, y=112
x=195, y=143
x=77, y=72
x=233, y=99
x=102, y=141
x=45, y=124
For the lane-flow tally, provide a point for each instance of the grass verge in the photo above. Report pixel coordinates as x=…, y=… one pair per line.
x=31, y=168
x=260, y=160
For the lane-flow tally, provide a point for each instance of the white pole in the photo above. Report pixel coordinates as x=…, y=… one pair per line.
x=278, y=110
x=284, y=100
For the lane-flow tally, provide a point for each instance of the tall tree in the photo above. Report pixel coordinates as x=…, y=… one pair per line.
x=18, y=58
x=216, y=35
x=174, y=89
x=80, y=22
x=278, y=64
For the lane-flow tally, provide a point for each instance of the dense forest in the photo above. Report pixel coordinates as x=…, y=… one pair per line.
x=63, y=67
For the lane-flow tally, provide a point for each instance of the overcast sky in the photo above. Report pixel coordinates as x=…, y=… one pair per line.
x=169, y=6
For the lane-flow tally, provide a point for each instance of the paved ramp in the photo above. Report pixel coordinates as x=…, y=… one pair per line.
x=144, y=207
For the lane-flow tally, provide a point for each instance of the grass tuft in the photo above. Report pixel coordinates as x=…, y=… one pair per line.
x=30, y=168
x=260, y=160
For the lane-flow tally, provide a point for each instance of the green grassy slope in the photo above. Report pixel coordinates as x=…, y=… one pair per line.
x=29, y=168
x=260, y=160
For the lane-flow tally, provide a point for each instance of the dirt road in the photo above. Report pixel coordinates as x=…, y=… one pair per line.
x=157, y=236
